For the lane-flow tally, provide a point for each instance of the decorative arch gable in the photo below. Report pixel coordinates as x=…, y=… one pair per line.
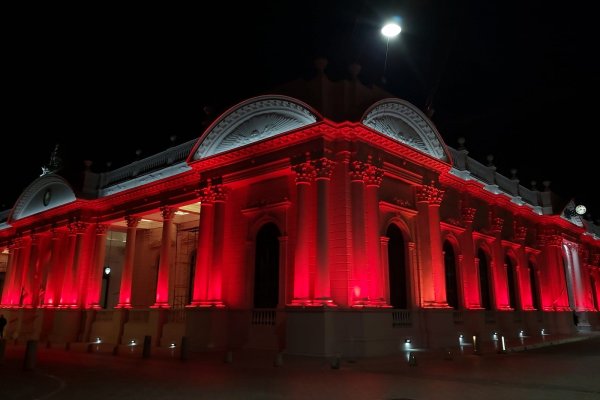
x=253, y=120
x=402, y=121
x=47, y=192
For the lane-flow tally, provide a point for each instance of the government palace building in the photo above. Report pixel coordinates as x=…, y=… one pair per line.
x=328, y=217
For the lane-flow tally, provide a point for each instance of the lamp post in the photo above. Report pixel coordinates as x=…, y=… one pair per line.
x=106, y=277
x=389, y=30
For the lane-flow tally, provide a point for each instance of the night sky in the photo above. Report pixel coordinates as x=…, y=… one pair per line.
x=517, y=80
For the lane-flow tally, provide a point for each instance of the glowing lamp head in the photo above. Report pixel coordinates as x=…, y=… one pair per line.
x=107, y=271
x=391, y=30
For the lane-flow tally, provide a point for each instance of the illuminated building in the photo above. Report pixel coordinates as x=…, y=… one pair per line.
x=337, y=224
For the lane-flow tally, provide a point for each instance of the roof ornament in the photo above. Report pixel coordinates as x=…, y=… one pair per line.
x=54, y=164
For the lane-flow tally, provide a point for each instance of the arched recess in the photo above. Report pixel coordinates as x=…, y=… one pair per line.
x=594, y=289
x=405, y=123
x=511, y=278
x=253, y=120
x=46, y=192
x=534, y=284
x=452, y=274
x=266, y=267
x=485, y=292
x=398, y=265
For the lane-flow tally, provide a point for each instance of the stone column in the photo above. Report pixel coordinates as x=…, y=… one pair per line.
x=500, y=295
x=557, y=278
x=304, y=175
x=360, y=289
x=433, y=278
x=127, y=274
x=162, y=285
x=385, y=265
x=204, y=248
x=215, y=285
x=31, y=277
x=10, y=274
x=97, y=267
x=70, y=290
x=323, y=170
x=20, y=288
x=469, y=273
x=373, y=177
x=54, y=273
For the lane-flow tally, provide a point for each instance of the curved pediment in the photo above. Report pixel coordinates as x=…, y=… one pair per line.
x=47, y=192
x=253, y=120
x=405, y=123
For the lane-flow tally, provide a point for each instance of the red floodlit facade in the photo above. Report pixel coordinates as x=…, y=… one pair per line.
x=288, y=227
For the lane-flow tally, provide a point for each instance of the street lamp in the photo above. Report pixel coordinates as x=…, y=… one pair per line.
x=389, y=30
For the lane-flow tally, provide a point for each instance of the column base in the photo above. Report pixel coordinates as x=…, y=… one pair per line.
x=206, y=304
x=160, y=305
x=325, y=302
x=370, y=303
x=438, y=305
x=123, y=305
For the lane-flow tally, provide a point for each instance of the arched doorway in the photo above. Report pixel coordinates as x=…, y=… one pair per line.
x=451, y=278
x=510, y=282
x=533, y=281
x=484, y=280
x=266, y=267
x=397, y=267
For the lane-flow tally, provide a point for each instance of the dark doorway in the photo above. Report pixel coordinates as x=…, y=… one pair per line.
x=266, y=267
x=192, y=276
x=594, y=293
x=451, y=278
x=484, y=280
x=510, y=282
x=535, y=294
x=397, y=268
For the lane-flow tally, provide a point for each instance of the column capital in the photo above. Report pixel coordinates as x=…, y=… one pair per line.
x=305, y=172
x=167, y=213
x=101, y=229
x=323, y=167
x=205, y=195
x=468, y=215
x=219, y=193
x=357, y=171
x=372, y=175
x=77, y=227
x=520, y=233
x=430, y=194
x=496, y=224
x=132, y=221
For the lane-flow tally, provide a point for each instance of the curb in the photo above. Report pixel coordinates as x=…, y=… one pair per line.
x=546, y=344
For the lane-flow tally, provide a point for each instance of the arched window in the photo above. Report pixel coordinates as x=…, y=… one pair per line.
x=451, y=278
x=533, y=281
x=510, y=282
x=266, y=267
x=397, y=268
x=484, y=280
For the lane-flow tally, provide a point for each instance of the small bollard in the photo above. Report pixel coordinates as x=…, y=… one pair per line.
x=412, y=360
x=229, y=357
x=476, y=345
x=448, y=355
x=335, y=362
x=2, y=349
x=30, y=354
x=184, y=351
x=147, y=346
x=278, y=360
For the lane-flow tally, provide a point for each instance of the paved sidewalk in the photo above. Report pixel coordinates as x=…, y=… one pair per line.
x=566, y=371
